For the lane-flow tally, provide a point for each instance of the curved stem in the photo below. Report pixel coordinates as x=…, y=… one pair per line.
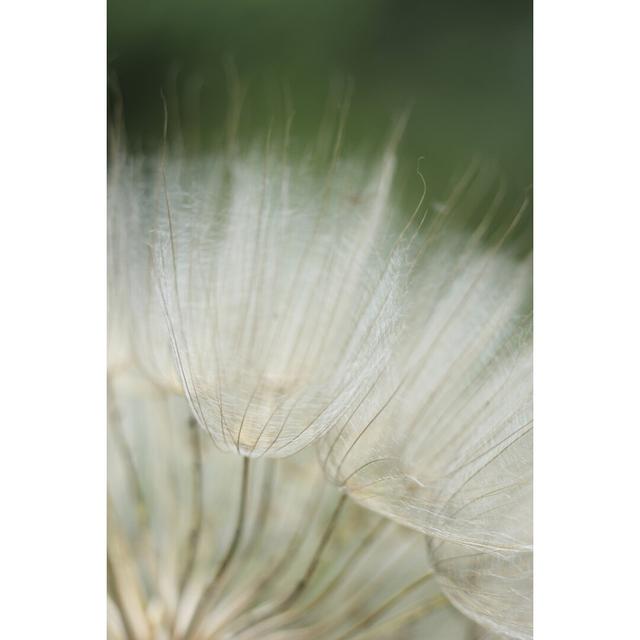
x=213, y=585
x=301, y=585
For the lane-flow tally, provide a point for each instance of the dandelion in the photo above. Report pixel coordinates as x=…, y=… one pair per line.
x=137, y=333
x=280, y=291
x=278, y=310
x=200, y=547
x=443, y=444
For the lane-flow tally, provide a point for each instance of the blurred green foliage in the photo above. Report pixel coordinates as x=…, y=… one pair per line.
x=464, y=67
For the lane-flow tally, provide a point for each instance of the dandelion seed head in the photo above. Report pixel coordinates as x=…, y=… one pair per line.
x=280, y=291
x=276, y=307
x=308, y=562
x=443, y=444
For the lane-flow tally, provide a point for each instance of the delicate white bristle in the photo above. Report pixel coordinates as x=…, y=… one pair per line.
x=203, y=544
x=284, y=306
x=281, y=294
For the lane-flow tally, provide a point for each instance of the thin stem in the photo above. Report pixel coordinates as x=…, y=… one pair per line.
x=211, y=588
x=403, y=619
x=116, y=596
x=385, y=606
x=115, y=424
x=351, y=561
x=302, y=584
x=195, y=529
x=281, y=564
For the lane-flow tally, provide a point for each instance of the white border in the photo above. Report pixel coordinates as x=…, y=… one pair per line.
x=52, y=319
x=52, y=275
x=587, y=273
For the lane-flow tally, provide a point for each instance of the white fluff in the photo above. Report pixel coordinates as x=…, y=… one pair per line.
x=280, y=293
x=173, y=505
x=494, y=589
x=273, y=299
x=137, y=332
x=443, y=443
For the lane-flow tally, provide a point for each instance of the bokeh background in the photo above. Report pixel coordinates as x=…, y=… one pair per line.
x=464, y=67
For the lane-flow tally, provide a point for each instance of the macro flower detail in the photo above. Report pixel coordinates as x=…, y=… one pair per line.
x=492, y=587
x=444, y=445
x=320, y=423
x=198, y=548
x=281, y=293
x=137, y=333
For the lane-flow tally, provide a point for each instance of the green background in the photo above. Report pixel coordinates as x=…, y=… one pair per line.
x=464, y=68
